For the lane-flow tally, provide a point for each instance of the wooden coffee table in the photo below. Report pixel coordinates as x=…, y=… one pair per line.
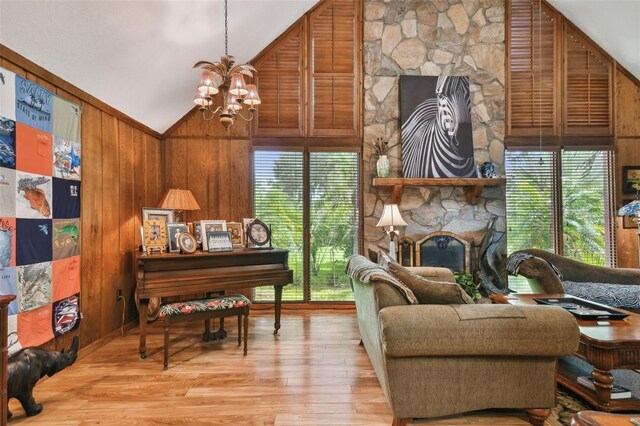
x=608, y=346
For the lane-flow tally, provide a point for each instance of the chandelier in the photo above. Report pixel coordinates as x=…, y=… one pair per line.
x=226, y=77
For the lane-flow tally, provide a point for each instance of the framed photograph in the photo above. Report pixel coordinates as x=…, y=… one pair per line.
x=154, y=213
x=219, y=241
x=628, y=222
x=258, y=234
x=630, y=179
x=237, y=234
x=435, y=116
x=173, y=231
x=208, y=226
x=245, y=225
x=197, y=232
x=187, y=243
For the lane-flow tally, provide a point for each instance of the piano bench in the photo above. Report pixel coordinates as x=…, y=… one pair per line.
x=206, y=309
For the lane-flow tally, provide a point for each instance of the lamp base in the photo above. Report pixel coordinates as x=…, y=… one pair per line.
x=392, y=249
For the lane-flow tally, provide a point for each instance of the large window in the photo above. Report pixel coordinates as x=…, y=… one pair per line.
x=559, y=201
x=312, y=205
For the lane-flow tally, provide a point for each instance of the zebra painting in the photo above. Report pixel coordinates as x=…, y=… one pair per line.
x=436, y=127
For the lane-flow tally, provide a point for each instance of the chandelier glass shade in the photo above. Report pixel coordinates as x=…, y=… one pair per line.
x=229, y=78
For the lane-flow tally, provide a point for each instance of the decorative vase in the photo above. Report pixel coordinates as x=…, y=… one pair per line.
x=383, y=166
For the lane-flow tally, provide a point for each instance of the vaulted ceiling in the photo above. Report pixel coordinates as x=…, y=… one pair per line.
x=137, y=55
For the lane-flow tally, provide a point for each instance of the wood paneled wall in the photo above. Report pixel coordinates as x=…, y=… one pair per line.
x=628, y=154
x=214, y=165
x=121, y=172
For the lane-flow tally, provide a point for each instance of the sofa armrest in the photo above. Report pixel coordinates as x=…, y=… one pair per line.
x=478, y=330
x=433, y=273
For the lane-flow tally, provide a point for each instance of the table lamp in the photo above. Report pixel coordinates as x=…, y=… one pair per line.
x=179, y=200
x=391, y=217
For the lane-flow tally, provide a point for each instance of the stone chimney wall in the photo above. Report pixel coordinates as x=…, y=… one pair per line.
x=434, y=37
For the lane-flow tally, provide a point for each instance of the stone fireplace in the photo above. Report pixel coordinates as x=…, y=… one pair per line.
x=433, y=37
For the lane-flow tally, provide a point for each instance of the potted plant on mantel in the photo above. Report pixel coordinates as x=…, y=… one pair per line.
x=381, y=148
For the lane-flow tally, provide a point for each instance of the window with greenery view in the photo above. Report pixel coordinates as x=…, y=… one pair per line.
x=559, y=201
x=331, y=225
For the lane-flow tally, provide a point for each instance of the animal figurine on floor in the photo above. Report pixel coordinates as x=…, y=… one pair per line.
x=28, y=366
x=492, y=260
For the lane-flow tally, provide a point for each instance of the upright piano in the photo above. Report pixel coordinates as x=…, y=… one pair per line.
x=175, y=274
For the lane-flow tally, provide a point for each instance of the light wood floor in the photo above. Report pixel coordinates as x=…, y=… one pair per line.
x=314, y=373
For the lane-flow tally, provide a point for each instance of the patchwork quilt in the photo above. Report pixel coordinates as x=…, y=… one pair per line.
x=40, y=164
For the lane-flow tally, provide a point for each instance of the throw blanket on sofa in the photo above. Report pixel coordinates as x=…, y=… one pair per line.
x=516, y=259
x=362, y=269
x=615, y=295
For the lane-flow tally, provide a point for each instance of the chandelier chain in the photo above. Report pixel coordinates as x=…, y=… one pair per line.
x=226, y=30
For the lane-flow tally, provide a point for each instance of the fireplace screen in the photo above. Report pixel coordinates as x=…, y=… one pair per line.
x=443, y=249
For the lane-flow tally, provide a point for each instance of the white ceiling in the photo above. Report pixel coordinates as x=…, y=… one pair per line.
x=613, y=24
x=137, y=56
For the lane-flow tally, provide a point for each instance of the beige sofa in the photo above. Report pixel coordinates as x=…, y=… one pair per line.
x=437, y=360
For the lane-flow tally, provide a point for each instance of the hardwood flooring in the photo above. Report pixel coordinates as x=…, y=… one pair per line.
x=313, y=373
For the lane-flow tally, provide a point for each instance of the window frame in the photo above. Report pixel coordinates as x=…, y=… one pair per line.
x=557, y=214
x=307, y=149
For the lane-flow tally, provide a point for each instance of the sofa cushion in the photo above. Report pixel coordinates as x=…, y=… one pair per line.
x=364, y=270
x=503, y=330
x=426, y=290
x=615, y=295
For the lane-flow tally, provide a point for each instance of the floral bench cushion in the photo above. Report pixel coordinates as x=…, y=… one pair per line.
x=203, y=305
x=615, y=295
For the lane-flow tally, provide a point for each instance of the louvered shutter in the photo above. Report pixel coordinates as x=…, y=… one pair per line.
x=278, y=196
x=280, y=84
x=534, y=70
x=334, y=69
x=587, y=79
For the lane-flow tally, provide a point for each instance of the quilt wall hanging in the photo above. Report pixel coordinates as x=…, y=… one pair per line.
x=437, y=137
x=40, y=152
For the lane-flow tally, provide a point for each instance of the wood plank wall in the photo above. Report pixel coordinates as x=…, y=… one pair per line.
x=121, y=172
x=215, y=166
x=628, y=154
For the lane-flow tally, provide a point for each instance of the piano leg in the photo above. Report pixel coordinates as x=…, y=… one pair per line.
x=278, y=294
x=143, y=309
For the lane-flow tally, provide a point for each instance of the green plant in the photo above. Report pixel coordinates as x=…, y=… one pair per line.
x=466, y=282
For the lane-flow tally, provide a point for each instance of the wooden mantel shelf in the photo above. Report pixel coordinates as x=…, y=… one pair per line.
x=472, y=186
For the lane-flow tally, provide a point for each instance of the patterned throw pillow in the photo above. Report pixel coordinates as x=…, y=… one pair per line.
x=426, y=291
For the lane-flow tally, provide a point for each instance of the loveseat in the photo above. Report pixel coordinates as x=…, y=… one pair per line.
x=436, y=360
x=549, y=273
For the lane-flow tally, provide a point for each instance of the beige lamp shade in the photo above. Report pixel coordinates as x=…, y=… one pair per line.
x=391, y=217
x=179, y=199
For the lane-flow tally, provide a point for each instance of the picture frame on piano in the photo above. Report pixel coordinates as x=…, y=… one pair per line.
x=173, y=232
x=237, y=234
x=208, y=226
x=219, y=241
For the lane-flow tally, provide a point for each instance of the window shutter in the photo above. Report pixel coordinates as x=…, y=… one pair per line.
x=334, y=222
x=533, y=62
x=586, y=212
x=530, y=204
x=334, y=64
x=279, y=81
x=278, y=201
x=588, y=77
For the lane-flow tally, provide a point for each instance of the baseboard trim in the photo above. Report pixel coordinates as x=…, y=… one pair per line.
x=94, y=346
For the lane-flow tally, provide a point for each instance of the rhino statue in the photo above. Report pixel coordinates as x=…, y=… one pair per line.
x=28, y=366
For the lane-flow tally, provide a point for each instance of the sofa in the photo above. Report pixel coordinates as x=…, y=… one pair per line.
x=437, y=360
x=549, y=273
